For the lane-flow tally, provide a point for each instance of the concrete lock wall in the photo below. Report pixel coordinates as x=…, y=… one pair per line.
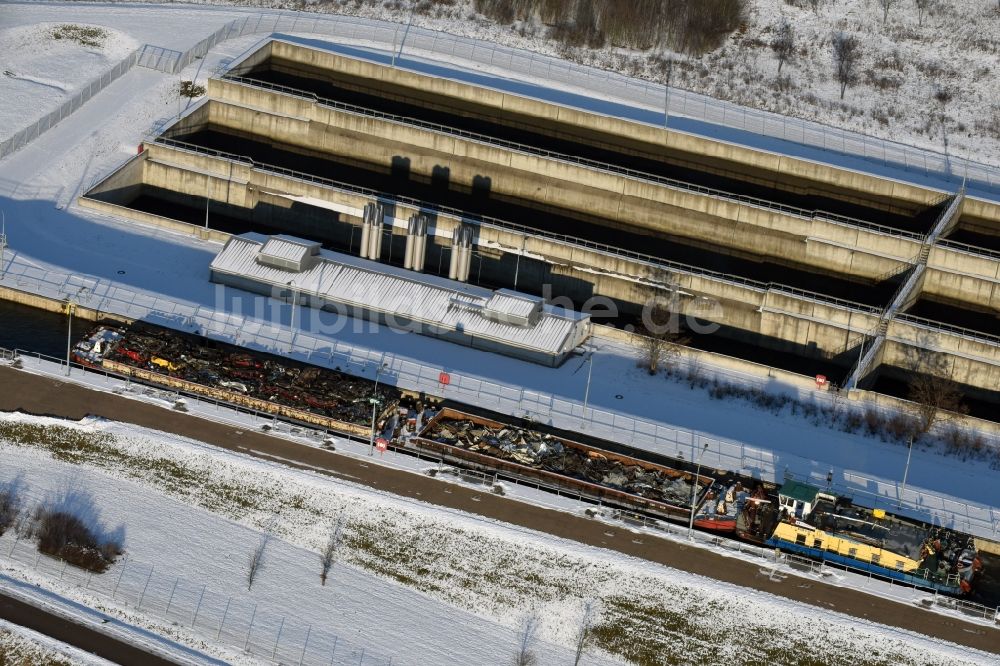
x=963, y=277
x=822, y=244
x=753, y=165
x=981, y=216
x=578, y=272
x=967, y=360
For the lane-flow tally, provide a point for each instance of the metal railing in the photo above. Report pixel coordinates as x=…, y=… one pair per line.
x=969, y=249
x=489, y=221
x=950, y=328
x=606, y=167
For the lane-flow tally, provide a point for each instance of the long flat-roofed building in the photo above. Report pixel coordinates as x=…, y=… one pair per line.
x=503, y=321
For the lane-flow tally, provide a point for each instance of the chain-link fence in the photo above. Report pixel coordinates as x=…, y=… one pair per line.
x=547, y=70
x=237, y=621
x=49, y=120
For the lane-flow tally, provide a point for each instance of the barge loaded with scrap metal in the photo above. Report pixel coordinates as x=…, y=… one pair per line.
x=265, y=383
x=797, y=518
x=599, y=475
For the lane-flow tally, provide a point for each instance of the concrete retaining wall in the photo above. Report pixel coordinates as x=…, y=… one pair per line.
x=969, y=361
x=579, y=273
x=754, y=165
x=963, y=277
x=590, y=193
x=55, y=305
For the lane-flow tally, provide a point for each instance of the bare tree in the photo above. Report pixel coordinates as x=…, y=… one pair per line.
x=783, y=43
x=525, y=654
x=886, y=6
x=329, y=555
x=846, y=53
x=922, y=7
x=943, y=96
x=936, y=399
x=661, y=335
x=584, y=631
x=654, y=336
x=256, y=562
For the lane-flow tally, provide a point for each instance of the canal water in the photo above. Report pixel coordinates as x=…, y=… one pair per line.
x=35, y=330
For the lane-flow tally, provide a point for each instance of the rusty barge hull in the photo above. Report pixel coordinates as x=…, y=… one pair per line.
x=235, y=398
x=265, y=383
x=424, y=444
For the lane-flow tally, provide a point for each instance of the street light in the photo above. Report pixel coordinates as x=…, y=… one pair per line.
x=586, y=393
x=666, y=93
x=295, y=300
x=3, y=241
x=70, y=304
x=413, y=6
x=208, y=197
x=375, y=402
x=906, y=472
x=694, y=491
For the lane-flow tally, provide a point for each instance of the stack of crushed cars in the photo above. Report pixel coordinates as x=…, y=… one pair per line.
x=542, y=451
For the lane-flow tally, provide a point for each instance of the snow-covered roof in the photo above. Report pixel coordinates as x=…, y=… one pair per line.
x=438, y=305
x=513, y=307
x=288, y=252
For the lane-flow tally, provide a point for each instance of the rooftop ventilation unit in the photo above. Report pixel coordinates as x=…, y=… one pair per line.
x=511, y=307
x=290, y=254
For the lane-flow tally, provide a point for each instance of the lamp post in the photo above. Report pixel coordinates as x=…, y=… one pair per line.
x=70, y=304
x=3, y=241
x=694, y=491
x=906, y=472
x=666, y=93
x=375, y=402
x=208, y=197
x=586, y=393
x=294, y=299
x=413, y=6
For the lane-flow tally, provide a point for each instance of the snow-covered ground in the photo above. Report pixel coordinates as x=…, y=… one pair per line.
x=903, y=62
x=423, y=584
x=47, y=69
x=19, y=645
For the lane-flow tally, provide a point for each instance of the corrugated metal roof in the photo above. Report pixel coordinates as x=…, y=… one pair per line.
x=287, y=248
x=513, y=303
x=427, y=299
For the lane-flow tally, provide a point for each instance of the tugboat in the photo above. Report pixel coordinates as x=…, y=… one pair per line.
x=803, y=519
x=722, y=506
x=90, y=351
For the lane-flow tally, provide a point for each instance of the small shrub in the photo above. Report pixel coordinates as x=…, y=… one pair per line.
x=852, y=421
x=63, y=535
x=190, y=89
x=899, y=427
x=873, y=422
x=84, y=35
x=893, y=61
x=10, y=508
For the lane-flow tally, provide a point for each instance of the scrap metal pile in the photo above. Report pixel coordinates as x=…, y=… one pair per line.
x=546, y=452
x=262, y=376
